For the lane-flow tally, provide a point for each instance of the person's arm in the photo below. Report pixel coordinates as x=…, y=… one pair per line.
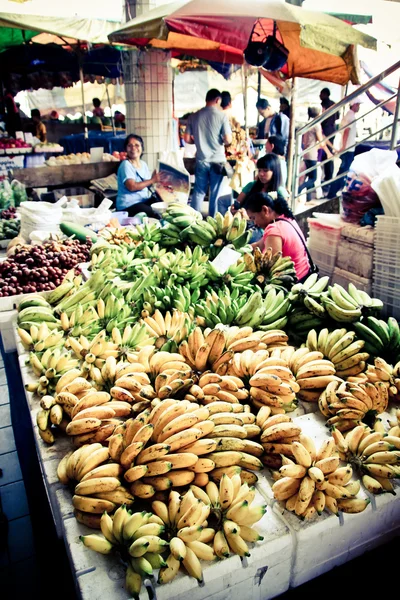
x=226, y=132
x=274, y=242
x=259, y=244
x=188, y=135
x=324, y=143
x=345, y=132
x=137, y=186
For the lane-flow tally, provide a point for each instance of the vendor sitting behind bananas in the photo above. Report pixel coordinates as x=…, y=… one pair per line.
x=134, y=180
x=281, y=232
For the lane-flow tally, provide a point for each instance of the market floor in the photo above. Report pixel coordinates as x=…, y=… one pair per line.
x=33, y=560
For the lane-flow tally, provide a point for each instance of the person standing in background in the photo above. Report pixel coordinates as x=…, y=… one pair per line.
x=328, y=127
x=310, y=139
x=273, y=123
x=210, y=131
x=347, y=147
x=13, y=119
x=39, y=128
x=276, y=145
x=97, y=110
x=284, y=107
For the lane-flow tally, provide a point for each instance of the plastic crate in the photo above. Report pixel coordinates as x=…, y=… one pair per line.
x=343, y=278
x=325, y=258
x=355, y=258
x=387, y=271
x=84, y=197
x=390, y=299
x=323, y=235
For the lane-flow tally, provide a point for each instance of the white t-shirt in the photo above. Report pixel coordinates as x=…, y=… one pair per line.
x=349, y=119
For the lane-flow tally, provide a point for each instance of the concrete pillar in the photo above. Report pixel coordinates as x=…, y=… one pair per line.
x=148, y=91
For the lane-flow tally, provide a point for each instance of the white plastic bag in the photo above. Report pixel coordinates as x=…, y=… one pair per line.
x=387, y=186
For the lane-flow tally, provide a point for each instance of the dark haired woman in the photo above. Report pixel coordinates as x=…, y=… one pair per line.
x=281, y=232
x=269, y=179
x=134, y=180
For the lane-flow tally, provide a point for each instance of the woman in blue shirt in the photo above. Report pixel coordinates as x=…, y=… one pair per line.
x=134, y=180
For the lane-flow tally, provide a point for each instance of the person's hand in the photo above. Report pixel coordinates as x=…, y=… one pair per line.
x=233, y=209
x=155, y=177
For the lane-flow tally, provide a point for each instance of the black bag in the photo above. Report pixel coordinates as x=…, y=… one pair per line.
x=223, y=169
x=313, y=267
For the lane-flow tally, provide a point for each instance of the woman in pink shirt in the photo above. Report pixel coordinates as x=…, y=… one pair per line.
x=281, y=232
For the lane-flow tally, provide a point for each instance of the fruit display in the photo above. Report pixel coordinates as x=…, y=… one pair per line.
x=313, y=481
x=48, y=147
x=40, y=268
x=11, y=196
x=80, y=158
x=374, y=455
x=9, y=145
x=9, y=228
x=180, y=384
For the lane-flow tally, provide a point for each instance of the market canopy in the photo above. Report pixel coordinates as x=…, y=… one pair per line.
x=94, y=31
x=320, y=46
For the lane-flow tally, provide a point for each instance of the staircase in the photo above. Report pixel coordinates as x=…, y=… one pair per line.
x=387, y=136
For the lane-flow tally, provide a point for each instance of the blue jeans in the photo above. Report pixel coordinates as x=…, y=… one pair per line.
x=336, y=186
x=224, y=203
x=311, y=178
x=206, y=177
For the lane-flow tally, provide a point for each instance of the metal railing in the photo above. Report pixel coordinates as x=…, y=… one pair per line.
x=347, y=101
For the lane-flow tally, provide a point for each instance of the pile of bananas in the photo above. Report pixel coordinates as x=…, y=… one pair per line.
x=278, y=433
x=374, y=456
x=381, y=338
x=136, y=538
x=216, y=232
x=169, y=330
x=271, y=269
x=221, y=307
x=184, y=519
x=313, y=481
x=339, y=347
x=179, y=220
x=345, y=404
x=273, y=384
x=97, y=483
x=267, y=313
x=52, y=365
x=381, y=371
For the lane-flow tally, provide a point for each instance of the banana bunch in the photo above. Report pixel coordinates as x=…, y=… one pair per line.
x=219, y=307
x=93, y=414
x=201, y=351
x=184, y=519
x=31, y=300
x=85, y=293
x=374, y=456
x=40, y=337
x=35, y=315
x=312, y=372
x=213, y=387
x=390, y=376
x=168, y=330
x=168, y=297
x=137, y=539
x=68, y=286
x=155, y=449
x=381, y=338
x=145, y=232
x=273, y=384
x=312, y=287
x=128, y=382
x=277, y=306
x=346, y=403
x=300, y=321
x=348, y=306
x=216, y=232
x=96, y=481
x=235, y=276
x=271, y=269
x=179, y=220
x=49, y=368
x=339, y=347
x=230, y=504
x=277, y=434
x=314, y=481
x=118, y=235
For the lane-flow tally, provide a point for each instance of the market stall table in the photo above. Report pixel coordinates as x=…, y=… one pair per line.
x=291, y=553
x=78, y=143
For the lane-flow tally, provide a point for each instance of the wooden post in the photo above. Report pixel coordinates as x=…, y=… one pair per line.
x=292, y=132
x=85, y=129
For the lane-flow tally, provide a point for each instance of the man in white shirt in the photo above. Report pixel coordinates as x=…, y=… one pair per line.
x=347, y=147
